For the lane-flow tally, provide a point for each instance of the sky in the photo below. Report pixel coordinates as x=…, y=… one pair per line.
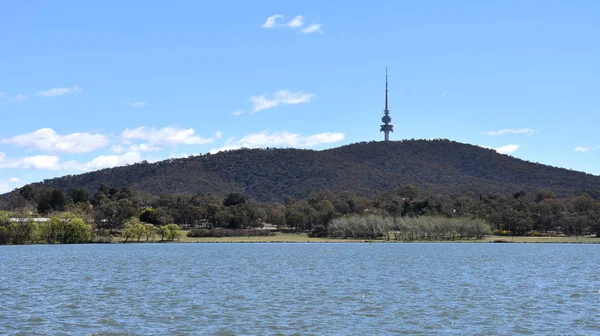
x=87, y=85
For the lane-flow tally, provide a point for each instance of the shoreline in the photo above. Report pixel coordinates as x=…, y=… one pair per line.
x=303, y=238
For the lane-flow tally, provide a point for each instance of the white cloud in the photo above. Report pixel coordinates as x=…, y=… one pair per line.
x=47, y=162
x=4, y=98
x=137, y=103
x=507, y=149
x=280, y=139
x=280, y=97
x=503, y=149
x=296, y=22
x=586, y=149
x=16, y=99
x=271, y=21
x=165, y=136
x=313, y=28
x=9, y=185
x=108, y=161
x=527, y=131
x=582, y=149
x=218, y=135
x=56, y=92
x=36, y=162
x=178, y=155
x=237, y=112
x=47, y=140
x=143, y=148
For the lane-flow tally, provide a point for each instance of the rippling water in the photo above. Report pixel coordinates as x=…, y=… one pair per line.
x=319, y=289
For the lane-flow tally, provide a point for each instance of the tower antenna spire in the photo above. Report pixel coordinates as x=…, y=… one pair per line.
x=386, y=90
x=386, y=128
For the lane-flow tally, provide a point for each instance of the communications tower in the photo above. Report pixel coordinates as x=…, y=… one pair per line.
x=386, y=128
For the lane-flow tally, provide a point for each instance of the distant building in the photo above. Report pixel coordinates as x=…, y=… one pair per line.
x=386, y=128
x=29, y=219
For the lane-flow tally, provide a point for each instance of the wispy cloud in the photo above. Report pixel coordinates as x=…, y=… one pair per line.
x=280, y=139
x=237, y=112
x=282, y=97
x=582, y=149
x=218, y=135
x=47, y=140
x=165, y=136
x=296, y=22
x=137, y=103
x=4, y=98
x=586, y=149
x=56, y=92
x=313, y=28
x=272, y=21
x=505, y=131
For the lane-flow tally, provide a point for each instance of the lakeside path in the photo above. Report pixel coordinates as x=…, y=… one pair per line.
x=303, y=238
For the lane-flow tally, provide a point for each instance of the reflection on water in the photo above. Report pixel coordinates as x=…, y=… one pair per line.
x=319, y=289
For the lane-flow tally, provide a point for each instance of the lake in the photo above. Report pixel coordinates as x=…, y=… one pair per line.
x=303, y=289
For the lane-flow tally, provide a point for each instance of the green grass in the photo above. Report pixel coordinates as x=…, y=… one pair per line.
x=303, y=238
x=586, y=239
x=277, y=238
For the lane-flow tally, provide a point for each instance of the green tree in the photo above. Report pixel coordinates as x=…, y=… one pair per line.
x=28, y=193
x=149, y=215
x=543, y=195
x=164, y=232
x=409, y=192
x=169, y=232
x=4, y=227
x=149, y=231
x=234, y=198
x=174, y=232
x=75, y=231
x=50, y=200
x=23, y=231
x=124, y=193
x=78, y=195
x=133, y=228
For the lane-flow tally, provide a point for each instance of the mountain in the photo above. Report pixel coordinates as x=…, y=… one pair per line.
x=436, y=166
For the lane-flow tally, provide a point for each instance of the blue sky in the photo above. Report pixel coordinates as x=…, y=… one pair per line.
x=86, y=85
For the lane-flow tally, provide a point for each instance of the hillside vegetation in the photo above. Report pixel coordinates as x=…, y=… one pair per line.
x=437, y=166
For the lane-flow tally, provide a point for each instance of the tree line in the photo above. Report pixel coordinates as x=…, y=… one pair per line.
x=131, y=213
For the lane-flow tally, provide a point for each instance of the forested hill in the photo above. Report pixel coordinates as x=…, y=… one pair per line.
x=437, y=166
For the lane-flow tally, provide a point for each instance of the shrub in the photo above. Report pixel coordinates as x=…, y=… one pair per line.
x=408, y=228
x=318, y=231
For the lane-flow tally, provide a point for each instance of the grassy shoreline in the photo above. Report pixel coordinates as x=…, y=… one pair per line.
x=303, y=238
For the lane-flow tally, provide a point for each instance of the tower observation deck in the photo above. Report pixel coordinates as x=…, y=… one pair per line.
x=386, y=128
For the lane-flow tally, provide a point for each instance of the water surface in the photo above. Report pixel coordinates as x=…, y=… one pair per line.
x=303, y=289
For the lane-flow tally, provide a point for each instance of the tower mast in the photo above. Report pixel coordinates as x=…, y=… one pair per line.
x=386, y=128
